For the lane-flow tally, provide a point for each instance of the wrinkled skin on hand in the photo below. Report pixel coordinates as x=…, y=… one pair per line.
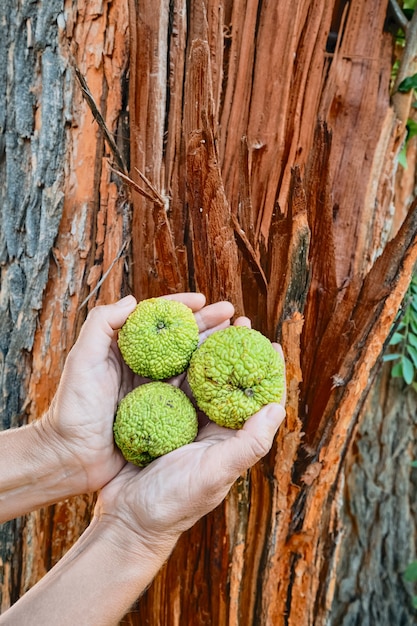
x=174, y=491
x=79, y=422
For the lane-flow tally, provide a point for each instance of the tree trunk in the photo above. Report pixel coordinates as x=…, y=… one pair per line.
x=256, y=147
x=378, y=517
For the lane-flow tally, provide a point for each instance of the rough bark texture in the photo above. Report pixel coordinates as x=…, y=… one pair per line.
x=262, y=145
x=63, y=225
x=33, y=116
x=378, y=497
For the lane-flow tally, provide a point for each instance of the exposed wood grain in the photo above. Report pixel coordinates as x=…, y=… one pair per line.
x=272, y=159
x=152, y=243
x=358, y=80
x=81, y=232
x=214, y=248
x=278, y=575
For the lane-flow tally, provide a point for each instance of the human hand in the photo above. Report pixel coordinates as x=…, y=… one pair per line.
x=79, y=423
x=157, y=503
x=150, y=507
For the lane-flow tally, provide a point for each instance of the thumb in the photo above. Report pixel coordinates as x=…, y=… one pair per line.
x=98, y=331
x=252, y=442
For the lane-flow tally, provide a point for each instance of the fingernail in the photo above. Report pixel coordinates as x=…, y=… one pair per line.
x=126, y=301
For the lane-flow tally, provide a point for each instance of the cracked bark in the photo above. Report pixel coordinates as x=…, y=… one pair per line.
x=273, y=164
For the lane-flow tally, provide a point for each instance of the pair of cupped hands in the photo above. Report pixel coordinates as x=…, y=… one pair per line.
x=174, y=491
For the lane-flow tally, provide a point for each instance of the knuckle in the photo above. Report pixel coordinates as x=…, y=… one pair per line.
x=95, y=314
x=260, y=446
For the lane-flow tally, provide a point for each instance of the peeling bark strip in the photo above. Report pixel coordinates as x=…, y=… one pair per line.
x=213, y=243
x=33, y=114
x=62, y=226
x=155, y=269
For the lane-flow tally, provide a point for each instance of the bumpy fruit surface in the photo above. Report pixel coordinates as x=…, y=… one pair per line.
x=152, y=420
x=158, y=338
x=234, y=373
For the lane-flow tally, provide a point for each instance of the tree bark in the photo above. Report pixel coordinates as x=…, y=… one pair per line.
x=63, y=224
x=261, y=147
x=378, y=521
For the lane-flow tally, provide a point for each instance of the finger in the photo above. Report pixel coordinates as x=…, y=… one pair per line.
x=242, y=321
x=214, y=315
x=195, y=301
x=250, y=444
x=278, y=349
x=211, y=432
x=214, y=329
x=99, y=329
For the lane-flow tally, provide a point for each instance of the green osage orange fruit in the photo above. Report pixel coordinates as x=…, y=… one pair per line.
x=234, y=373
x=158, y=338
x=152, y=420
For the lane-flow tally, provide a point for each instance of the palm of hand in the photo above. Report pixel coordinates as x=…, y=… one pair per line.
x=85, y=403
x=174, y=491
x=94, y=380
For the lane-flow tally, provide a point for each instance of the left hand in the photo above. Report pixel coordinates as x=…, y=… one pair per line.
x=79, y=423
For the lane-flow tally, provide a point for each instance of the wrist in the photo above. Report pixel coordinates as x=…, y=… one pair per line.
x=109, y=561
x=34, y=472
x=132, y=543
x=59, y=455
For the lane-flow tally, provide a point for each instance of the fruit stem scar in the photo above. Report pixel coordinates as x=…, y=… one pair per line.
x=249, y=392
x=160, y=325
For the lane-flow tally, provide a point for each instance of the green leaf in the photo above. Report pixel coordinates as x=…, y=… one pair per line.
x=402, y=157
x=412, y=339
x=397, y=370
x=390, y=357
x=408, y=83
x=410, y=573
x=396, y=339
x=413, y=463
x=413, y=324
x=408, y=370
x=414, y=602
x=409, y=5
x=411, y=127
x=412, y=351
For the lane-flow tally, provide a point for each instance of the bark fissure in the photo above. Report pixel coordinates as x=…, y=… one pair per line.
x=263, y=153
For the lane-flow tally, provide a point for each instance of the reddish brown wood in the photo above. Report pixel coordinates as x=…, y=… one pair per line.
x=271, y=163
x=91, y=235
